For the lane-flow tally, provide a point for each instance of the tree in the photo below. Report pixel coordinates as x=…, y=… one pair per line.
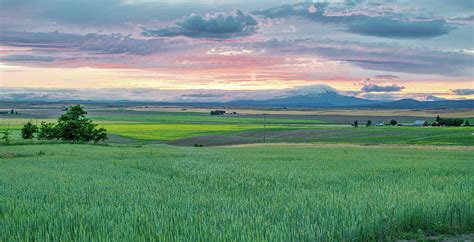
x=393, y=122
x=74, y=126
x=467, y=123
x=99, y=135
x=369, y=123
x=438, y=119
x=356, y=123
x=6, y=136
x=48, y=131
x=451, y=122
x=425, y=123
x=28, y=131
x=12, y=111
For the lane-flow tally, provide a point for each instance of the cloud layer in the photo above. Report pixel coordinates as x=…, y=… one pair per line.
x=377, y=22
x=381, y=88
x=218, y=25
x=463, y=92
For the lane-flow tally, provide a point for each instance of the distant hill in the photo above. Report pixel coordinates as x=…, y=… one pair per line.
x=413, y=104
x=325, y=99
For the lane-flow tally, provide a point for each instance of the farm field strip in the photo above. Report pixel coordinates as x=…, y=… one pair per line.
x=175, y=131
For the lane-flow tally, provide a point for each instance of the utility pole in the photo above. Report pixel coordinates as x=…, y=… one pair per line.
x=264, y=127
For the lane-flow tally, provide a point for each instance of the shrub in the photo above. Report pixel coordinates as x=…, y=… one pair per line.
x=393, y=122
x=6, y=136
x=28, y=131
x=467, y=123
x=356, y=123
x=369, y=123
x=7, y=155
x=48, y=131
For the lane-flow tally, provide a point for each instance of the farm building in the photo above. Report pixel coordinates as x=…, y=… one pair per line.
x=420, y=123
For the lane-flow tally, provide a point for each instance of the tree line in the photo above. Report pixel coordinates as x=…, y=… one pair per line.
x=455, y=122
x=72, y=126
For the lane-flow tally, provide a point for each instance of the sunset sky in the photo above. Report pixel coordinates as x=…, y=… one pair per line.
x=238, y=49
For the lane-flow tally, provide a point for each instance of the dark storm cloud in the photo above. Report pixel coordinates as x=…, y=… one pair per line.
x=219, y=25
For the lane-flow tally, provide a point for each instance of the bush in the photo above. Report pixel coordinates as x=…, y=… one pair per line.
x=356, y=124
x=6, y=136
x=28, y=131
x=369, y=123
x=7, y=155
x=467, y=123
x=393, y=122
x=48, y=131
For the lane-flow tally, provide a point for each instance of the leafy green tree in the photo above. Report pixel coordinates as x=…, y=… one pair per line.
x=369, y=123
x=467, y=123
x=393, y=122
x=356, y=123
x=451, y=122
x=28, y=131
x=99, y=134
x=48, y=131
x=74, y=126
x=6, y=136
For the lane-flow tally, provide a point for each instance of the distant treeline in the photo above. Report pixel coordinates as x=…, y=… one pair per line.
x=450, y=122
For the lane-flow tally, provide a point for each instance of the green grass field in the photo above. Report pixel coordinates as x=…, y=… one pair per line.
x=164, y=132
x=320, y=193
x=154, y=126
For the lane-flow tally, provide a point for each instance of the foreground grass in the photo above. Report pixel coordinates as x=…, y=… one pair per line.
x=83, y=192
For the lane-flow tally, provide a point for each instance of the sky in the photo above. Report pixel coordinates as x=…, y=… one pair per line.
x=216, y=50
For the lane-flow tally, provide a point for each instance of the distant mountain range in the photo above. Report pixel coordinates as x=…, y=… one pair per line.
x=323, y=100
x=319, y=99
x=330, y=99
